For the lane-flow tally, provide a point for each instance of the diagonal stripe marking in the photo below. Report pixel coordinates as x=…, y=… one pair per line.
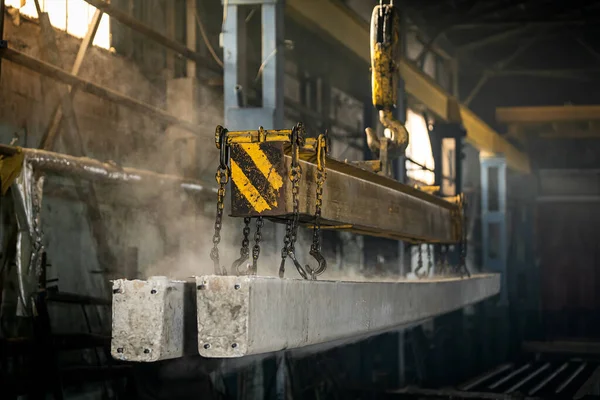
x=259, y=158
x=247, y=189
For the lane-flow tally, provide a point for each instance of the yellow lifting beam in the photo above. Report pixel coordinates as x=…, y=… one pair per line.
x=353, y=199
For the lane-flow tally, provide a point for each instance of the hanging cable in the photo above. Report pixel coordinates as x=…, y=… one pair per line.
x=211, y=49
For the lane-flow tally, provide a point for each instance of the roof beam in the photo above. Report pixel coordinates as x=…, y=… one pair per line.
x=547, y=114
x=338, y=22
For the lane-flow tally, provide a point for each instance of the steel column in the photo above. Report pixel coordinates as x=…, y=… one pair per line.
x=230, y=60
x=272, y=56
x=270, y=115
x=494, y=217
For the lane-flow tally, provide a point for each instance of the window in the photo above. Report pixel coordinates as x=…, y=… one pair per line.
x=419, y=148
x=72, y=16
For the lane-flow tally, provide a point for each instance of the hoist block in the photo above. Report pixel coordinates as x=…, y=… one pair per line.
x=353, y=199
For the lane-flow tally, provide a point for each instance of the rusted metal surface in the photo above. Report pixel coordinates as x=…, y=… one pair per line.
x=94, y=170
x=239, y=316
x=148, y=319
x=369, y=203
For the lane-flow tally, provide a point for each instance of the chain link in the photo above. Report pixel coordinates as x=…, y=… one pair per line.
x=419, y=258
x=244, y=250
x=291, y=229
x=463, y=243
x=222, y=177
x=429, y=260
x=445, y=258
x=321, y=175
x=256, y=248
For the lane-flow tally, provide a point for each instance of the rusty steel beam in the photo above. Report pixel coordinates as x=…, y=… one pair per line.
x=94, y=170
x=83, y=85
x=354, y=199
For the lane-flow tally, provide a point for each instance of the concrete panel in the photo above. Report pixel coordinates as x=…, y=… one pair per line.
x=148, y=319
x=239, y=316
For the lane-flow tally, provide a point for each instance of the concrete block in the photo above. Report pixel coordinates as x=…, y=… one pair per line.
x=148, y=319
x=239, y=316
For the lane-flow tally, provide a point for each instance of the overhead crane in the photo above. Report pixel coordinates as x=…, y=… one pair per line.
x=284, y=176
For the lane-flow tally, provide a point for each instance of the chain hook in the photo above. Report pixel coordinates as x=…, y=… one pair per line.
x=315, y=248
x=321, y=263
x=224, y=150
x=297, y=264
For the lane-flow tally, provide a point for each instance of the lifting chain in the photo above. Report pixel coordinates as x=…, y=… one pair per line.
x=321, y=175
x=419, y=259
x=429, y=260
x=444, y=254
x=256, y=248
x=291, y=229
x=245, y=249
x=463, y=243
x=222, y=177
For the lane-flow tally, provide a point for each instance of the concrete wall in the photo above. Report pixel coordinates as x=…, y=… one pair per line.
x=156, y=227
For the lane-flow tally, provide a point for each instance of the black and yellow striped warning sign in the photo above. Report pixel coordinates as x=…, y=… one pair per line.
x=257, y=177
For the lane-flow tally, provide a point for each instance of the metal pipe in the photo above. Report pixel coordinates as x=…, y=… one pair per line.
x=86, y=86
x=94, y=170
x=571, y=378
x=510, y=376
x=239, y=94
x=478, y=381
x=548, y=379
x=528, y=378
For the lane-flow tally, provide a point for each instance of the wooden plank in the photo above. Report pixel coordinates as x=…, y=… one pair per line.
x=353, y=199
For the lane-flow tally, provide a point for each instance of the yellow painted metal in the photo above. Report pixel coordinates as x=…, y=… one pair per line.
x=10, y=169
x=429, y=92
x=568, y=113
x=339, y=23
x=484, y=138
x=265, y=135
x=428, y=189
x=385, y=40
x=262, y=163
x=256, y=199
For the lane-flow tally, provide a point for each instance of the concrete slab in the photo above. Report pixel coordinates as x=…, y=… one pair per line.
x=148, y=319
x=239, y=316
